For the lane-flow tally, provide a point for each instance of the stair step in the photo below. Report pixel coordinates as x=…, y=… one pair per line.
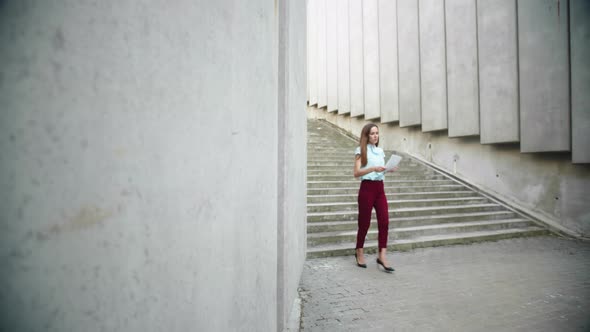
x=353, y=206
x=388, y=182
x=349, y=236
x=328, y=164
x=406, y=212
x=326, y=198
x=335, y=165
x=347, y=249
x=389, y=190
x=325, y=226
x=346, y=175
x=389, y=178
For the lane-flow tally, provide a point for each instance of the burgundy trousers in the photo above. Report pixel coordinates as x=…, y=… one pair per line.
x=372, y=195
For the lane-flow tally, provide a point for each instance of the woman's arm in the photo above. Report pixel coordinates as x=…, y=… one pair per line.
x=358, y=172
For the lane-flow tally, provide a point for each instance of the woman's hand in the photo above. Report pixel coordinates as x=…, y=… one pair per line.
x=379, y=169
x=392, y=170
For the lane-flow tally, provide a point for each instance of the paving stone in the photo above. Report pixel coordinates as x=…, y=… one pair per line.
x=523, y=284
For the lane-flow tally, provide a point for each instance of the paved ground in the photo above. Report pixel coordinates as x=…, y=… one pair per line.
x=530, y=284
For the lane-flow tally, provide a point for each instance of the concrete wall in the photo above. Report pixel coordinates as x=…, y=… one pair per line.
x=143, y=173
x=486, y=72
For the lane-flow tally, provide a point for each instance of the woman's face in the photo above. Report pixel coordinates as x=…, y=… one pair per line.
x=374, y=136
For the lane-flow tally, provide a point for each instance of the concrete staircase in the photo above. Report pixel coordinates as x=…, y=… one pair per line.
x=426, y=208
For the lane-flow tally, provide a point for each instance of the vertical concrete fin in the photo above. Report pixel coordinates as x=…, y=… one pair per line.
x=543, y=63
x=408, y=63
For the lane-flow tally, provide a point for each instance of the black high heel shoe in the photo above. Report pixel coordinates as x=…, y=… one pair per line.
x=357, y=261
x=387, y=268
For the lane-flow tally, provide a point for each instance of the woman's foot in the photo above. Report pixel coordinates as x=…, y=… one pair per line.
x=360, y=258
x=383, y=262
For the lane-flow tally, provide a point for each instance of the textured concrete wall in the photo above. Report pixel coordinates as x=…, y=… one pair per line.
x=357, y=94
x=580, y=79
x=409, y=63
x=371, y=59
x=332, y=53
x=498, y=71
x=343, y=58
x=388, y=78
x=543, y=55
x=131, y=197
x=433, y=67
x=462, y=73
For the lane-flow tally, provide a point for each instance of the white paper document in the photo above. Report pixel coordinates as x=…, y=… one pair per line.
x=393, y=162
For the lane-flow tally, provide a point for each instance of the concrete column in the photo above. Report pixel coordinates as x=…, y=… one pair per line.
x=433, y=73
x=332, y=53
x=462, y=73
x=543, y=57
x=388, y=78
x=357, y=94
x=371, y=59
x=322, y=69
x=312, y=51
x=498, y=71
x=343, y=58
x=409, y=63
x=131, y=197
x=580, y=71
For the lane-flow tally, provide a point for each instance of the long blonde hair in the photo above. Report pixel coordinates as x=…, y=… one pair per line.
x=364, y=140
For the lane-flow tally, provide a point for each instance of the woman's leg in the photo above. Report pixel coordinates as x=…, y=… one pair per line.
x=366, y=199
x=382, y=209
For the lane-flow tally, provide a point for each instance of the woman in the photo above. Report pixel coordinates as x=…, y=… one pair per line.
x=369, y=166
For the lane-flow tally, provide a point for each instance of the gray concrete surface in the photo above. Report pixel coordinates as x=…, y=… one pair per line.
x=528, y=284
x=130, y=197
